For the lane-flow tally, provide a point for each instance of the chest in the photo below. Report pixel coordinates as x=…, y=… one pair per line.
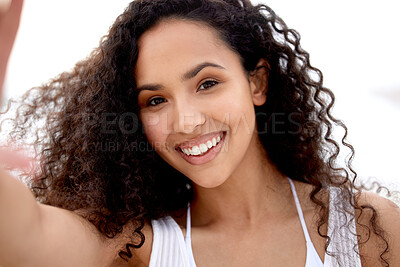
x=273, y=244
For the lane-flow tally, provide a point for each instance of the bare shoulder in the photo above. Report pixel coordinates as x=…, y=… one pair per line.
x=79, y=243
x=143, y=253
x=383, y=234
x=134, y=257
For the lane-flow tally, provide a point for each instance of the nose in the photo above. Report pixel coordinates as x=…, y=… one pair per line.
x=187, y=117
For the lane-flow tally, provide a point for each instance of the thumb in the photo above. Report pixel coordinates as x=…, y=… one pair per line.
x=14, y=159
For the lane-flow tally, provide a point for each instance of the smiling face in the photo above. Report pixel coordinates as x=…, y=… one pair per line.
x=196, y=100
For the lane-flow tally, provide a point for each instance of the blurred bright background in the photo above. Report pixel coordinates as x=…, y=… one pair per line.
x=355, y=44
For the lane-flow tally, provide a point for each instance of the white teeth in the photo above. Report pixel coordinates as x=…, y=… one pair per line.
x=209, y=144
x=214, y=142
x=195, y=150
x=202, y=148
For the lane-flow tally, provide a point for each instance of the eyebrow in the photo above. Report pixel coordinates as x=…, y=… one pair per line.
x=193, y=72
x=149, y=87
x=186, y=76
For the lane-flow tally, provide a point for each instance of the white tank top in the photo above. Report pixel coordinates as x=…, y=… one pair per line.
x=171, y=249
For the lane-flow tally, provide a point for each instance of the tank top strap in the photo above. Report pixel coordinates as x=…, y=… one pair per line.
x=300, y=212
x=188, y=225
x=188, y=239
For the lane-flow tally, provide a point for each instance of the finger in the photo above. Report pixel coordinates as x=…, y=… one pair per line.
x=9, y=23
x=15, y=7
x=11, y=13
x=4, y=6
x=14, y=159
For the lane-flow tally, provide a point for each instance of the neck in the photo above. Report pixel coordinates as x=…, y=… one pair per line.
x=255, y=191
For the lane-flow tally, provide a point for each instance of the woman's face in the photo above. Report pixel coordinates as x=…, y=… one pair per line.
x=196, y=100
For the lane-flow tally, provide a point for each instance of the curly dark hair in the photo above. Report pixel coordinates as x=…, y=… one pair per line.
x=94, y=155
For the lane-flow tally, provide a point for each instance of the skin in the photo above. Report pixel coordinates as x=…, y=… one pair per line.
x=242, y=202
x=228, y=204
x=10, y=14
x=189, y=111
x=237, y=221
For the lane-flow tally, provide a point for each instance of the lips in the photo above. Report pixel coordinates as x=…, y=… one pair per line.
x=203, y=149
x=199, y=147
x=199, y=140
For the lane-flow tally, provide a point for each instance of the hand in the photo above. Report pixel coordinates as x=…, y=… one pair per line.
x=10, y=13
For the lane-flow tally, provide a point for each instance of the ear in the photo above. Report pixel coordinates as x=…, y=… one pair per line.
x=259, y=82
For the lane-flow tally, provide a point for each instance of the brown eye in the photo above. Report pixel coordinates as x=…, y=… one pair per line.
x=156, y=101
x=207, y=85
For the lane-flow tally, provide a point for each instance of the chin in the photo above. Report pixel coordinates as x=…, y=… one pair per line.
x=209, y=181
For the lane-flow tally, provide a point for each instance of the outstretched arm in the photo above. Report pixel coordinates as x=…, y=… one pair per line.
x=32, y=234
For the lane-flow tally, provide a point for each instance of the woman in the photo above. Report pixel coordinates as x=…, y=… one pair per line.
x=172, y=144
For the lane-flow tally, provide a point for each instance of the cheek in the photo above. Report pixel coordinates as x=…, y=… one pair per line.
x=155, y=129
x=237, y=111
